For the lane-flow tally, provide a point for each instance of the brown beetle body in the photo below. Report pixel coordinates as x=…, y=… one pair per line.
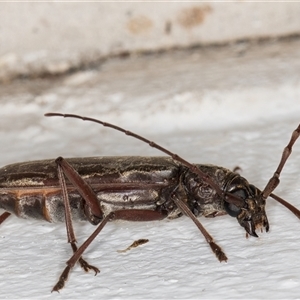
x=31, y=189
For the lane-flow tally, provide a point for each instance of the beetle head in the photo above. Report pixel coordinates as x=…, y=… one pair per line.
x=251, y=213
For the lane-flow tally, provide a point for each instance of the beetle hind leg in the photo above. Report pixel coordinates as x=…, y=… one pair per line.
x=83, y=263
x=64, y=169
x=77, y=255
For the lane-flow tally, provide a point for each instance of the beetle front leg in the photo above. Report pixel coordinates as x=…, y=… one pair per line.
x=214, y=247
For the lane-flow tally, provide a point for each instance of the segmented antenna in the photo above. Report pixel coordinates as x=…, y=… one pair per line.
x=226, y=196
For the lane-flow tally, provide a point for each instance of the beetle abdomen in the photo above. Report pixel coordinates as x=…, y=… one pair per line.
x=41, y=205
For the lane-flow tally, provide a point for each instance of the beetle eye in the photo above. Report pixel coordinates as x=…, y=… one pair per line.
x=240, y=193
x=253, y=189
x=232, y=209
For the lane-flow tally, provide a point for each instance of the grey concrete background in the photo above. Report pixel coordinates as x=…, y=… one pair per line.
x=53, y=38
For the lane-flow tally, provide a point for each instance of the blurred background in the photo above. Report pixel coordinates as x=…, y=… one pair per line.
x=216, y=82
x=165, y=65
x=160, y=67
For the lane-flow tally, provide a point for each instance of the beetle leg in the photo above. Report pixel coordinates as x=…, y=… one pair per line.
x=83, y=189
x=4, y=216
x=77, y=254
x=214, y=247
x=69, y=225
x=237, y=170
x=68, y=218
x=83, y=263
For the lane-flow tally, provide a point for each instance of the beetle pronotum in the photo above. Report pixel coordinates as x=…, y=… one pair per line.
x=100, y=189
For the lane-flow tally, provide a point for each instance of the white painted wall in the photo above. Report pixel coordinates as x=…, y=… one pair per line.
x=54, y=37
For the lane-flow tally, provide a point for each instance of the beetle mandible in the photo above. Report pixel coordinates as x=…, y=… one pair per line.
x=133, y=188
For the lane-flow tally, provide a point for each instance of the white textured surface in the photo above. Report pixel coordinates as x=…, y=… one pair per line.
x=176, y=263
x=243, y=120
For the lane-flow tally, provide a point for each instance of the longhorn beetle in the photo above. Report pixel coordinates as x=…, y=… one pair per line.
x=133, y=188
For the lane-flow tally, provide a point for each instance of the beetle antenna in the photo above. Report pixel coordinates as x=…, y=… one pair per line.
x=227, y=196
x=288, y=205
x=274, y=180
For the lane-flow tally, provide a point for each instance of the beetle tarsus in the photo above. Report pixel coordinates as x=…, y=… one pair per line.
x=62, y=279
x=87, y=267
x=83, y=263
x=218, y=252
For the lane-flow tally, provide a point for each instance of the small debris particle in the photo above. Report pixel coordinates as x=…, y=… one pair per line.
x=134, y=245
